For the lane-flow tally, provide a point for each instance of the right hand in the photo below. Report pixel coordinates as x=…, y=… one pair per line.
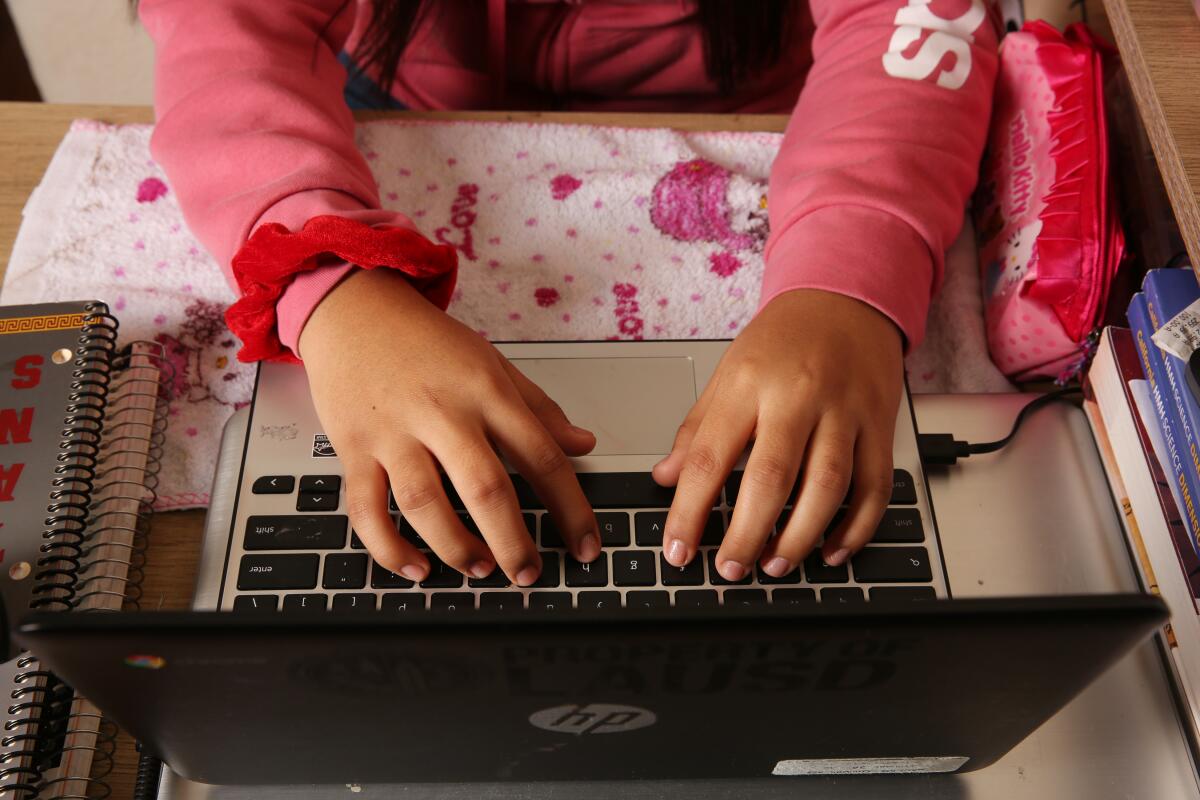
x=402, y=388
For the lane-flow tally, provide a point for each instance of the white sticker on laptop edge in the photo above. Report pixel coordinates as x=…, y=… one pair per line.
x=322, y=448
x=868, y=766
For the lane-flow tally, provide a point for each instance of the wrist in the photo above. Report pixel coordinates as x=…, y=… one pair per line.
x=360, y=295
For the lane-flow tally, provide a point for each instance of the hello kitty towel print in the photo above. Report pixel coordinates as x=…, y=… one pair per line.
x=563, y=232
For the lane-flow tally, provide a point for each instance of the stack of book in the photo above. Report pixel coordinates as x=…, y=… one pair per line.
x=1146, y=422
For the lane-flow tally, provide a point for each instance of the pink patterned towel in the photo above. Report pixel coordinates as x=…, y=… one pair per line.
x=563, y=232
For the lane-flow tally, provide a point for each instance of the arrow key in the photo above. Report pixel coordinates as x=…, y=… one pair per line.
x=320, y=483
x=274, y=484
x=316, y=501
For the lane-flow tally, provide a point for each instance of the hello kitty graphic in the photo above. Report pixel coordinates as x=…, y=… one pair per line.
x=699, y=201
x=202, y=357
x=1012, y=262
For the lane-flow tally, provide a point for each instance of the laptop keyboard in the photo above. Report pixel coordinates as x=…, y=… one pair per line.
x=312, y=561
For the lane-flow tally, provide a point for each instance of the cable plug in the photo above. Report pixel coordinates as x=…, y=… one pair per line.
x=941, y=449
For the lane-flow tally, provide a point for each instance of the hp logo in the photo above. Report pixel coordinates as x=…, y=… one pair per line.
x=592, y=718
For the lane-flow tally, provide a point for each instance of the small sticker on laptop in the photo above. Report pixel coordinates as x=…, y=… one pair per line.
x=322, y=447
x=145, y=662
x=868, y=766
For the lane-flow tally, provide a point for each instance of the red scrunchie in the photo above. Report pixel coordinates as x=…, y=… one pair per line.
x=273, y=256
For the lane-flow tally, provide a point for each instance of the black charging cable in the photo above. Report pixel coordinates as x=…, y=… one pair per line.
x=942, y=449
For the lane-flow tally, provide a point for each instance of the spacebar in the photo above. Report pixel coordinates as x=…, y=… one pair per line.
x=624, y=490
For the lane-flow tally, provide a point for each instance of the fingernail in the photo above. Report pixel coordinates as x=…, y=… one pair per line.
x=732, y=571
x=677, y=552
x=777, y=567
x=578, y=431
x=481, y=569
x=589, y=547
x=414, y=573
x=527, y=576
x=838, y=557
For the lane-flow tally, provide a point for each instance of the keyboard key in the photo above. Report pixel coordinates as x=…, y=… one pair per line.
x=316, y=501
x=497, y=580
x=652, y=599
x=293, y=532
x=692, y=574
x=769, y=580
x=354, y=601
x=819, y=572
x=502, y=601
x=634, y=567
x=697, y=598
x=320, y=483
x=624, y=490
x=453, y=601
x=441, y=575
x=614, y=528
x=405, y=528
x=256, y=602
x=793, y=597
x=355, y=542
x=715, y=577
x=900, y=525
x=892, y=565
x=733, y=485
x=550, y=535
x=592, y=574
x=305, y=602
x=274, y=484
x=901, y=594
x=648, y=528
x=842, y=595
x=550, y=601
x=345, y=571
x=293, y=571
x=381, y=578
x=526, y=497
x=403, y=602
x=904, y=491
x=550, y=573
x=530, y=525
x=745, y=597
x=714, y=529
x=599, y=599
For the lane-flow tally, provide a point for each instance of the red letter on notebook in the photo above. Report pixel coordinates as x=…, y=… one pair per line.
x=8, y=481
x=27, y=371
x=15, y=427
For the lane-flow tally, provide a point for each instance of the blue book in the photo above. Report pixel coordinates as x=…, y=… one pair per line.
x=1168, y=420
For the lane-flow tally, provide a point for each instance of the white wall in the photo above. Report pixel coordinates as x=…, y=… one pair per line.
x=86, y=51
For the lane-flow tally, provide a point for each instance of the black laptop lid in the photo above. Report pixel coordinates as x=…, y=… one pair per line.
x=235, y=698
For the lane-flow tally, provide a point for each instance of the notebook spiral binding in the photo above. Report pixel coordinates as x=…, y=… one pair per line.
x=93, y=553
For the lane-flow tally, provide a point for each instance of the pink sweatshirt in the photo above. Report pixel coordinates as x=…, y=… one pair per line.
x=890, y=103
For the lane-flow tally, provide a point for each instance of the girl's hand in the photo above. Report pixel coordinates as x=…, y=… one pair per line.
x=814, y=382
x=403, y=388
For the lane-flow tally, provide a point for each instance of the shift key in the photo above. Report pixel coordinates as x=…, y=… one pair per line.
x=284, y=571
x=296, y=532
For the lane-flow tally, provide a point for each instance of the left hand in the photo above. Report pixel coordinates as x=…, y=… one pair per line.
x=812, y=386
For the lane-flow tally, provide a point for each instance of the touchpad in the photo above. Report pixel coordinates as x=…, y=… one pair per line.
x=633, y=405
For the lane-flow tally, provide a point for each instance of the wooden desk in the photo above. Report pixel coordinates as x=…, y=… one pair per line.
x=29, y=135
x=1160, y=44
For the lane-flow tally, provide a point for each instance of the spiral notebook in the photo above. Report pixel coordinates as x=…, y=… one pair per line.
x=82, y=419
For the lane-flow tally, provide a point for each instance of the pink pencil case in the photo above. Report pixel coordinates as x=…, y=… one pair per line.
x=1050, y=242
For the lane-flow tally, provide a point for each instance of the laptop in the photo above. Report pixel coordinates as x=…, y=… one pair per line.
x=336, y=671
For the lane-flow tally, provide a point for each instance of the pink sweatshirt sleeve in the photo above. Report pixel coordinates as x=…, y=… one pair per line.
x=882, y=152
x=252, y=127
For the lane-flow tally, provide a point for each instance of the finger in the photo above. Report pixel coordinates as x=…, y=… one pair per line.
x=767, y=485
x=666, y=472
x=712, y=452
x=417, y=487
x=367, y=506
x=571, y=439
x=824, y=480
x=536, y=455
x=872, y=490
x=487, y=491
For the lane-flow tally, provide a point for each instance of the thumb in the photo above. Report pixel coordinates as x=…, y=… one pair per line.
x=574, y=441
